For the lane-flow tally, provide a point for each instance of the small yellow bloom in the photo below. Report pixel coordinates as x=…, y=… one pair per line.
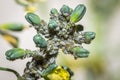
x=58, y=74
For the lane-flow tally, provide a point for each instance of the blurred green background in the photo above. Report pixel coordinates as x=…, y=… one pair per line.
x=102, y=17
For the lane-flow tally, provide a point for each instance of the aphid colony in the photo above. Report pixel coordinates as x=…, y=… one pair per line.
x=61, y=32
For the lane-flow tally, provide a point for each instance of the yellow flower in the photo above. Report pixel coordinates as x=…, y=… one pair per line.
x=58, y=74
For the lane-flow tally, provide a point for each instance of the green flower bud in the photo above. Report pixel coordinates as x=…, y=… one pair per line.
x=54, y=11
x=80, y=52
x=79, y=27
x=15, y=53
x=52, y=24
x=32, y=19
x=89, y=36
x=49, y=69
x=13, y=26
x=40, y=41
x=65, y=10
x=78, y=13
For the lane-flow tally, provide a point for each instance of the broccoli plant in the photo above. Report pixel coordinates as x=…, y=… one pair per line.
x=61, y=32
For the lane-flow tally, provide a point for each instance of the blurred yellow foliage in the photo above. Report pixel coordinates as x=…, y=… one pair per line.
x=30, y=5
x=11, y=39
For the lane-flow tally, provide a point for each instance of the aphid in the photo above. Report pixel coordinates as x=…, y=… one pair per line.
x=79, y=27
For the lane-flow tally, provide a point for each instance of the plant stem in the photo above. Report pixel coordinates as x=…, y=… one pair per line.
x=10, y=70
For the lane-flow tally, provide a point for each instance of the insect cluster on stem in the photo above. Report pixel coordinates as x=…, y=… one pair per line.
x=61, y=32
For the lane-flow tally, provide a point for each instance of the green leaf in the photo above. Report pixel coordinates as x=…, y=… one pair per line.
x=33, y=19
x=78, y=13
x=15, y=53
